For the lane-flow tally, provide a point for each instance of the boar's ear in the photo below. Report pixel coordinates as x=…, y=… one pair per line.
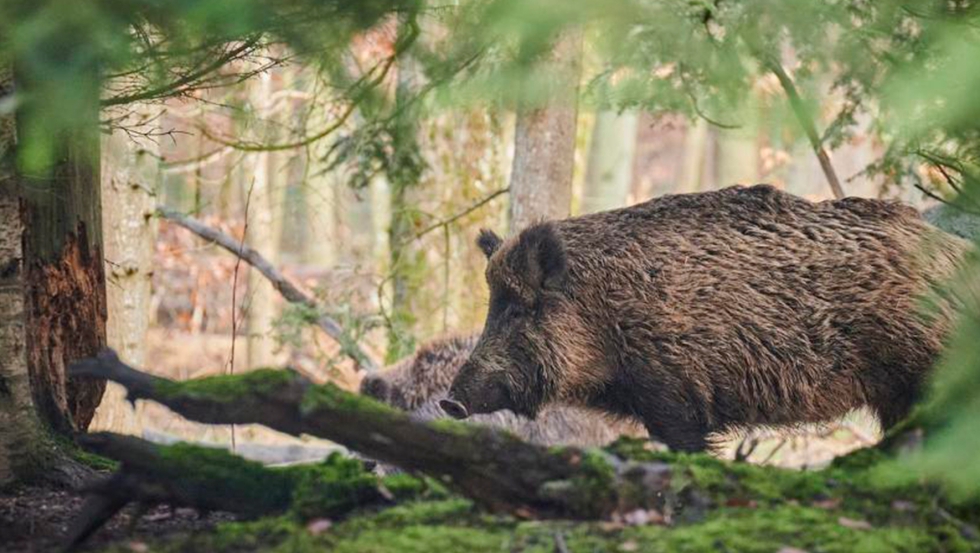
x=488, y=242
x=541, y=249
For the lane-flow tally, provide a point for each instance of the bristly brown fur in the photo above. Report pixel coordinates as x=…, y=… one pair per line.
x=702, y=313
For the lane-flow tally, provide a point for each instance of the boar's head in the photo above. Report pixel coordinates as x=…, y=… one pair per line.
x=534, y=337
x=383, y=390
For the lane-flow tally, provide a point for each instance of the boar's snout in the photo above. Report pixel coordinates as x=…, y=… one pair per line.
x=454, y=408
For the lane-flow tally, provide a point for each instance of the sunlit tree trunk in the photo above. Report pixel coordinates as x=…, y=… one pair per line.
x=320, y=198
x=738, y=149
x=544, y=143
x=695, y=152
x=265, y=203
x=609, y=172
x=130, y=179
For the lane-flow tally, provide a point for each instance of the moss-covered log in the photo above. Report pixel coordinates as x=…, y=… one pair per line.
x=724, y=507
x=493, y=468
x=209, y=479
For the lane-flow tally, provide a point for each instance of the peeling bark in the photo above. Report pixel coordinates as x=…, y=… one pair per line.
x=63, y=276
x=66, y=321
x=52, y=302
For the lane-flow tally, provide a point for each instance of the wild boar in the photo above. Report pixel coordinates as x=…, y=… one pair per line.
x=698, y=314
x=419, y=382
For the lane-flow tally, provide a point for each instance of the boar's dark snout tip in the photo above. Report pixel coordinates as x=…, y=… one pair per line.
x=454, y=408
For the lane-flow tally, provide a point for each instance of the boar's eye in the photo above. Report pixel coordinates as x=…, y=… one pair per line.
x=501, y=300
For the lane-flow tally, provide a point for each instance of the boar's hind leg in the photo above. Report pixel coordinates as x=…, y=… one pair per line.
x=892, y=408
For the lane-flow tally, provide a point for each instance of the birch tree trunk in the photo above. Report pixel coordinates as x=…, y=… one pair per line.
x=130, y=179
x=544, y=143
x=609, y=172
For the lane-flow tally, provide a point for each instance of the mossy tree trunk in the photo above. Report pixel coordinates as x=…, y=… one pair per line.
x=52, y=294
x=404, y=173
x=494, y=468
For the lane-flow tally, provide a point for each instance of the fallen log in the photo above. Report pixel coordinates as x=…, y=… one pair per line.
x=495, y=469
x=209, y=479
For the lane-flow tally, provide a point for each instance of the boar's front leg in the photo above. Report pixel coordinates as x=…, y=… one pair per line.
x=689, y=439
x=672, y=426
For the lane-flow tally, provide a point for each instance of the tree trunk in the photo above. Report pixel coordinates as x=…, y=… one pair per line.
x=52, y=298
x=544, y=143
x=403, y=177
x=695, y=153
x=130, y=179
x=610, y=167
x=262, y=234
x=65, y=278
x=738, y=149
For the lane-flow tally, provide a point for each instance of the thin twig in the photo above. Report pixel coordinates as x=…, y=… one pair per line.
x=175, y=87
x=460, y=215
x=806, y=121
x=234, y=295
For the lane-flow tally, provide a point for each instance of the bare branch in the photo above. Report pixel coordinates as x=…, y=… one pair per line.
x=806, y=121
x=289, y=291
x=182, y=83
x=460, y=215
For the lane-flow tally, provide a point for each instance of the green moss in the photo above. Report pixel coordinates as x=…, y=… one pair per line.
x=333, y=488
x=228, y=388
x=72, y=450
x=451, y=426
x=768, y=530
x=330, y=396
x=216, y=472
x=454, y=525
x=749, y=508
x=405, y=486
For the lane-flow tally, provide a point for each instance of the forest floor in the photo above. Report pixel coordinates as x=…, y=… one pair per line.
x=716, y=506
x=36, y=519
x=719, y=506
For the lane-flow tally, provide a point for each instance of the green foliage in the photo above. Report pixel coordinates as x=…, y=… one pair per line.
x=62, y=50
